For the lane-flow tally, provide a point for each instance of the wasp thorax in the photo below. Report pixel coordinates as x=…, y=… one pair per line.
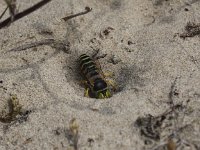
x=99, y=84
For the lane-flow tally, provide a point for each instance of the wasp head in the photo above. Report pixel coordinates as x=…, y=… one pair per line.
x=101, y=89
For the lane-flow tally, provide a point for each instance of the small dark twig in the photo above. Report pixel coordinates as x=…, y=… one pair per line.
x=14, y=110
x=171, y=94
x=3, y=12
x=192, y=30
x=87, y=10
x=23, y=13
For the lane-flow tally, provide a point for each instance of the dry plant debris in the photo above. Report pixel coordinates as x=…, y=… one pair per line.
x=14, y=110
x=150, y=126
x=11, y=4
x=192, y=29
x=72, y=134
x=166, y=131
x=103, y=34
x=171, y=144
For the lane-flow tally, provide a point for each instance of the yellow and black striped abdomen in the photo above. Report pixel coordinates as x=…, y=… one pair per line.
x=96, y=83
x=88, y=68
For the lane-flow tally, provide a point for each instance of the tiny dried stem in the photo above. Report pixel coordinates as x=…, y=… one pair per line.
x=12, y=8
x=87, y=10
x=4, y=12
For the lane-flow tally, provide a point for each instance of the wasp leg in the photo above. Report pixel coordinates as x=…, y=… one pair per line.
x=112, y=83
x=86, y=94
x=108, y=74
x=86, y=85
x=104, y=75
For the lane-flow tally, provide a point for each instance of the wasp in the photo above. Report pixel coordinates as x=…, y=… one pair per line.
x=97, y=86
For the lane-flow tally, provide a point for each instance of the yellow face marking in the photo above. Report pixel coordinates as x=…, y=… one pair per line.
x=101, y=96
x=87, y=92
x=108, y=94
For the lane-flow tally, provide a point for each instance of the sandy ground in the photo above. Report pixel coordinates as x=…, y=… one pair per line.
x=158, y=73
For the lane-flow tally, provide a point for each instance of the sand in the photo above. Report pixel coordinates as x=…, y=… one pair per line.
x=157, y=72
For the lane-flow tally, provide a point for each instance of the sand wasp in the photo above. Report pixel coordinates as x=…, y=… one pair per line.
x=96, y=84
